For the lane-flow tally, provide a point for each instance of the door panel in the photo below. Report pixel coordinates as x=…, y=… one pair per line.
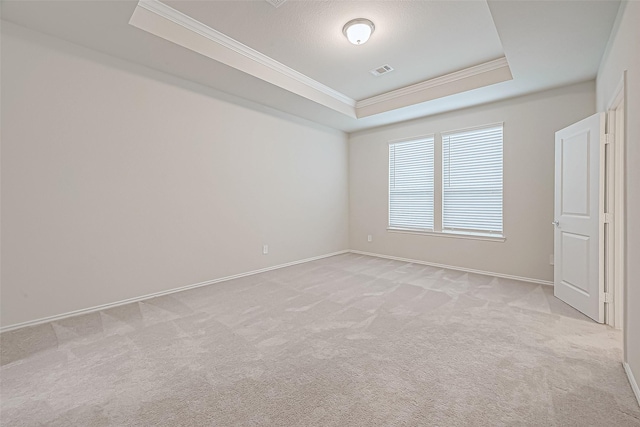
x=575, y=261
x=578, y=273
x=575, y=175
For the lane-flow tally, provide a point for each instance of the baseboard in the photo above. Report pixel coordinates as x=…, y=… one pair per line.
x=159, y=294
x=453, y=267
x=632, y=381
x=275, y=267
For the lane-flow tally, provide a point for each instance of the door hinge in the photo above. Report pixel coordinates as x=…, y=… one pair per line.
x=607, y=297
x=608, y=138
x=608, y=218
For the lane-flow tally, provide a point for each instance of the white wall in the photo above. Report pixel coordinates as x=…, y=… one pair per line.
x=530, y=123
x=119, y=181
x=623, y=53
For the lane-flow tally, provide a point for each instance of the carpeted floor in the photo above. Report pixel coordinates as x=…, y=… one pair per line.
x=343, y=341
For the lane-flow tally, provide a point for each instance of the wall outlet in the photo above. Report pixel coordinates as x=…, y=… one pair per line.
x=369, y=238
x=265, y=249
x=551, y=260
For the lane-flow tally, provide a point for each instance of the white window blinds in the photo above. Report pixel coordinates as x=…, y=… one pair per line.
x=411, y=184
x=472, y=180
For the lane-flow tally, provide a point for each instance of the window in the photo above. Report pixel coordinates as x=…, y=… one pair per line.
x=471, y=179
x=411, y=184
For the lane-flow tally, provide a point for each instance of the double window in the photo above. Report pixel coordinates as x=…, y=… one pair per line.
x=470, y=195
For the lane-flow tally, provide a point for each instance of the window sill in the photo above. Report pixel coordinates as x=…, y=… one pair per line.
x=454, y=234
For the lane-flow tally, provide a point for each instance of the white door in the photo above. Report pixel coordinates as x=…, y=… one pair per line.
x=578, y=237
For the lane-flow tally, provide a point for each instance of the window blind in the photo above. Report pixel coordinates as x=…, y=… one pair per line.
x=472, y=180
x=411, y=184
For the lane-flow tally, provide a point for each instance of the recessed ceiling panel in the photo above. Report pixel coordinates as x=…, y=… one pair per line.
x=422, y=39
x=547, y=44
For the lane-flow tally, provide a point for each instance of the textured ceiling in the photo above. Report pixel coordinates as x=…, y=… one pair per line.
x=547, y=44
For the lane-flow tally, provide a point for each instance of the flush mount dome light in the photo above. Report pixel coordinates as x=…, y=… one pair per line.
x=358, y=31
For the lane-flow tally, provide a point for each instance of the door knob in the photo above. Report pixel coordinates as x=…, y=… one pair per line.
x=556, y=223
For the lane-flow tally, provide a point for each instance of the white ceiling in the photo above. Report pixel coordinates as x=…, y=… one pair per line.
x=414, y=37
x=546, y=43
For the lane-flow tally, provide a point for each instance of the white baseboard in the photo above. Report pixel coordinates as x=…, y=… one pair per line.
x=275, y=267
x=158, y=294
x=632, y=381
x=452, y=267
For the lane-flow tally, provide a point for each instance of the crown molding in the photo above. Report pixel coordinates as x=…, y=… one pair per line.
x=162, y=10
x=170, y=24
x=437, y=81
x=485, y=74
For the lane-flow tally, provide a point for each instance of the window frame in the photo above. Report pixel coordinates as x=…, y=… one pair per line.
x=417, y=138
x=438, y=194
x=472, y=232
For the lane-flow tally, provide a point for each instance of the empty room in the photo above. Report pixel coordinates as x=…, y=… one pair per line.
x=320, y=213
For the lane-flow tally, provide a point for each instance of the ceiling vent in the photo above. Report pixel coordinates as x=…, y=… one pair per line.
x=275, y=3
x=383, y=69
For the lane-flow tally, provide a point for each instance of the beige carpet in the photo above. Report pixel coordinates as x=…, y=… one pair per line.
x=344, y=341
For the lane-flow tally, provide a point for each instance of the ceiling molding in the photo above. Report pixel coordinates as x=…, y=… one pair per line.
x=437, y=81
x=159, y=19
x=481, y=75
x=186, y=21
x=144, y=22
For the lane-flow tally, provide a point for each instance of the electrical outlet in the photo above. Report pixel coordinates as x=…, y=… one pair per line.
x=551, y=259
x=265, y=249
x=369, y=238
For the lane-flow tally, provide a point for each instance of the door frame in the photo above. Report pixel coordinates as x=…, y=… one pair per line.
x=615, y=313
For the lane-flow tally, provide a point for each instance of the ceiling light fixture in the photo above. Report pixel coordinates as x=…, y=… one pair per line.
x=358, y=31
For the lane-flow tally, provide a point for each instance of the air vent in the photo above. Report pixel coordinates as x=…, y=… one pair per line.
x=383, y=69
x=275, y=3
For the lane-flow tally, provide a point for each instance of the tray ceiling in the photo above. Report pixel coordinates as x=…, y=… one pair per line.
x=416, y=38
x=430, y=44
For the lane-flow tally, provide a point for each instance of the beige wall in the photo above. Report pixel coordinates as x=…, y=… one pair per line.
x=530, y=123
x=118, y=181
x=623, y=53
